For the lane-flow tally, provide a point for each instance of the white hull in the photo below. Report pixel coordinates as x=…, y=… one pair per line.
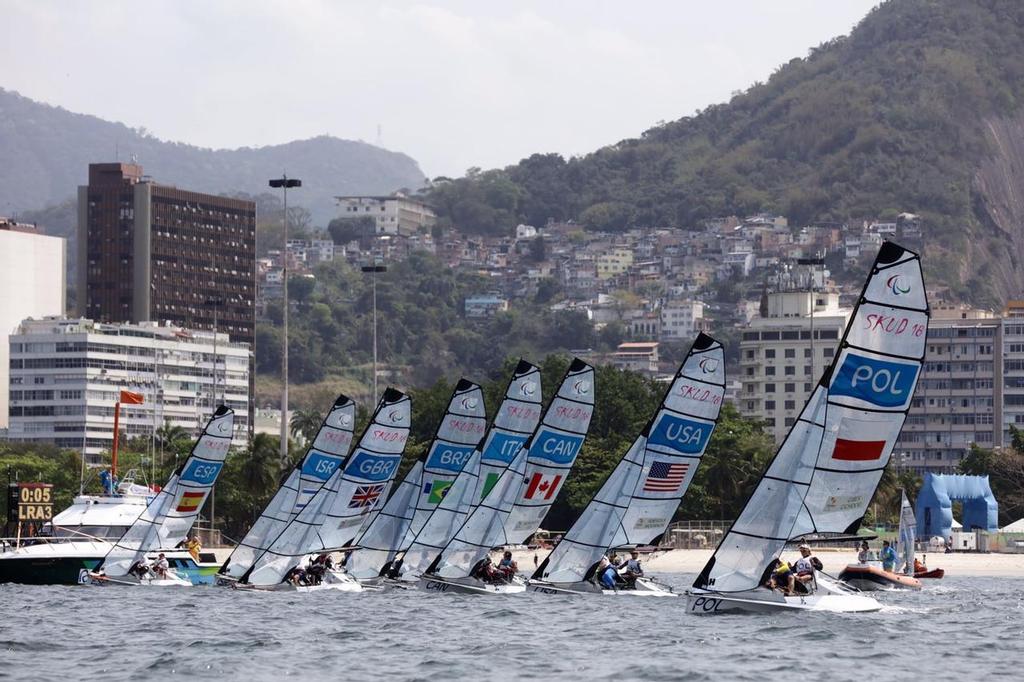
x=645, y=587
x=337, y=581
x=433, y=583
x=701, y=602
x=171, y=580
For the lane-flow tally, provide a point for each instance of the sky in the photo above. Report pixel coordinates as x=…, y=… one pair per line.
x=454, y=84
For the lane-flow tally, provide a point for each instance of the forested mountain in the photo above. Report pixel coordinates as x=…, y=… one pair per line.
x=46, y=151
x=919, y=109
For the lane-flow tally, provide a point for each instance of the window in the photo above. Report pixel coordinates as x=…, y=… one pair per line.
x=790, y=388
x=769, y=404
x=789, y=421
x=790, y=353
x=769, y=371
x=807, y=388
x=749, y=371
x=828, y=352
x=807, y=352
x=807, y=370
x=769, y=353
x=770, y=388
x=790, y=404
x=790, y=371
x=750, y=355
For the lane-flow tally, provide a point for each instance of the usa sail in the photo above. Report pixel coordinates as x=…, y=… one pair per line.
x=459, y=432
x=339, y=507
x=329, y=448
x=871, y=385
x=517, y=504
x=638, y=499
x=515, y=420
x=168, y=519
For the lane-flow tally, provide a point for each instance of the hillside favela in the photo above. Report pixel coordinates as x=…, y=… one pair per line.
x=533, y=341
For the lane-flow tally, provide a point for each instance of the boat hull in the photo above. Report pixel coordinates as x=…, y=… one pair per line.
x=704, y=603
x=172, y=580
x=433, y=583
x=336, y=581
x=934, y=574
x=873, y=578
x=645, y=587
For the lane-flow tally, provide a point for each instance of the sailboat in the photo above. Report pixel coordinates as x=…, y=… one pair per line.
x=638, y=499
x=425, y=485
x=167, y=520
x=336, y=512
x=325, y=455
x=514, y=508
x=514, y=422
x=827, y=469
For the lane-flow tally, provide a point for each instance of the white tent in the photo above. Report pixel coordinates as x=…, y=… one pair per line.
x=1015, y=527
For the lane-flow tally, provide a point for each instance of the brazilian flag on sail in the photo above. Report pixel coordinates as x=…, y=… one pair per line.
x=438, y=489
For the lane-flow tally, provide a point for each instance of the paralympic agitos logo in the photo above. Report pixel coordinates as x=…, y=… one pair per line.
x=897, y=286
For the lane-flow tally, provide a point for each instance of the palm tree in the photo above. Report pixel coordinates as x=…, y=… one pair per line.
x=306, y=423
x=260, y=467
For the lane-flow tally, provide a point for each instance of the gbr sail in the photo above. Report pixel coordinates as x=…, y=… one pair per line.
x=517, y=504
x=516, y=418
x=168, y=519
x=341, y=504
x=427, y=483
x=869, y=392
x=638, y=499
x=325, y=455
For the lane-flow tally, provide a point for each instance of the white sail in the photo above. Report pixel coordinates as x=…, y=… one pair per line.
x=515, y=420
x=341, y=504
x=461, y=428
x=325, y=455
x=518, y=502
x=168, y=519
x=639, y=498
x=908, y=534
x=869, y=391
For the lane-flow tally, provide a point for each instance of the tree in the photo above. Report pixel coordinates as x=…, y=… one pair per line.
x=306, y=423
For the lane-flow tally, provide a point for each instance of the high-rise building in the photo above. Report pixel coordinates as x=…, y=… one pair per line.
x=148, y=251
x=67, y=374
x=395, y=214
x=32, y=284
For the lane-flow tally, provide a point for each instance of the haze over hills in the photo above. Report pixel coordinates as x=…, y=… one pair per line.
x=919, y=109
x=46, y=151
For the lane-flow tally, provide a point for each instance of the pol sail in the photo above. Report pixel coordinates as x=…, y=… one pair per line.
x=639, y=498
x=168, y=519
x=325, y=455
x=427, y=483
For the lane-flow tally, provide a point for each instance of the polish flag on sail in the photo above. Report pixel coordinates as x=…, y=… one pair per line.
x=858, y=450
x=542, y=486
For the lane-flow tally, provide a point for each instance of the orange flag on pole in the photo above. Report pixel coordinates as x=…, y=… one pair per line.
x=130, y=398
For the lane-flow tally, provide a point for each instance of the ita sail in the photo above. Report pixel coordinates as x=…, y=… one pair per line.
x=334, y=514
x=516, y=418
x=638, y=499
x=168, y=519
x=870, y=388
x=325, y=455
x=908, y=534
x=519, y=501
x=461, y=428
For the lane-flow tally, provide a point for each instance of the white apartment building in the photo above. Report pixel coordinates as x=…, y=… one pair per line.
x=67, y=374
x=1012, y=381
x=395, y=214
x=779, y=361
x=681, y=320
x=32, y=284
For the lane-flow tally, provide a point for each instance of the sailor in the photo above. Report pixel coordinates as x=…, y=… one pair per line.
x=507, y=566
x=296, y=576
x=606, y=573
x=316, y=569
x=864, y=555
x=782, y=577
x=806, y=565
x=484, y=570
x=631, y=567
x=160, y=566
x=194, y=547
x=888, y=557
x=139, y=569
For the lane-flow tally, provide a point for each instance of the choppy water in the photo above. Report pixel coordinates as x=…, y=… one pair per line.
x=955, y=629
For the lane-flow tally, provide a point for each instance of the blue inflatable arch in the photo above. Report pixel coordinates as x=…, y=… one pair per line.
x=935, y=504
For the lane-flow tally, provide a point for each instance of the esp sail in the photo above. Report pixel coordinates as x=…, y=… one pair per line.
x=325, y=455
x=427, y=483
x=527, y=489
x=870, y=388
x=516, y=418
x=638, y=499
x=907, y=534
x=168, y=519
x=334, y=514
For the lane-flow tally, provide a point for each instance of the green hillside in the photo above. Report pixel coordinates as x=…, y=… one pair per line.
x=918, y=110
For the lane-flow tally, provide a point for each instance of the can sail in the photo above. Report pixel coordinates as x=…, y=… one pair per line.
x=335, y=513
x=874, y=384
x=869, y=393
x=908, y=533
x=325, y=455
x=427, y=483
x=638, y=499
x=519, y=501
x=515, y=420
x=168, y=519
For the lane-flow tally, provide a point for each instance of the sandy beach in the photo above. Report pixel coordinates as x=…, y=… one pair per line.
x=693, y=560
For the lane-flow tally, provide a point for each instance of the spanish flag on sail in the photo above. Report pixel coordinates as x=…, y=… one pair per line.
x=190, y=501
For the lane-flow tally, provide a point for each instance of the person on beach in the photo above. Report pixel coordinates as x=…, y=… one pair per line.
x=888, y=557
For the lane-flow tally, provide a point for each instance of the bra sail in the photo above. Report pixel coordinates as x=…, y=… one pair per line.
x=168, y=519
x=325, y=455
x=516, y=418
x=639, y=498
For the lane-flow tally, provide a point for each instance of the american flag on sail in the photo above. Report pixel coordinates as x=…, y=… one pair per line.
x=665, y=477
x=365, y=496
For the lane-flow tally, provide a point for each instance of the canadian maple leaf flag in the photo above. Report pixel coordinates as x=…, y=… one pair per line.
x=542, y=486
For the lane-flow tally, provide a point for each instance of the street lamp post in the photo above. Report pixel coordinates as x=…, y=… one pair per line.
x=373, y=270
x=810, y=289
x=284, y=182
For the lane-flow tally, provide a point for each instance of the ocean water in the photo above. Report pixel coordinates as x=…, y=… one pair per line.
x=955, y=629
